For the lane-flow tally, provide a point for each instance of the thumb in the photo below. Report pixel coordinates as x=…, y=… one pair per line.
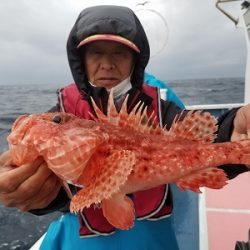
x=5, y=158
x=238, y=136
x=241, y=129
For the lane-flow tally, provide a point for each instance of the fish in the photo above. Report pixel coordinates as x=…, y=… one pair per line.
x=123, y=152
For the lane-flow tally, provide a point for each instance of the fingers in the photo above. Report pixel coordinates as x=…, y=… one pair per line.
x=47, y=195
x=30, y=186
x=12, y=179
x=44, y=197
x=40, y=184
x=241, y=129
x=5, y=158
x=238, y=137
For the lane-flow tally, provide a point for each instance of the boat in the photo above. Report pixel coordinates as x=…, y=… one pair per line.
x=219, y=224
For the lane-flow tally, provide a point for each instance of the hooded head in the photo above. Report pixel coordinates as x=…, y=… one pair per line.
x=107, y=23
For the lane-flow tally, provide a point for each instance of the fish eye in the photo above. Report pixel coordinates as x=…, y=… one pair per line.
x=57, y=119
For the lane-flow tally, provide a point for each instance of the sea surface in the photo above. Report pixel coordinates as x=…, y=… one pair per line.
x=20, y=230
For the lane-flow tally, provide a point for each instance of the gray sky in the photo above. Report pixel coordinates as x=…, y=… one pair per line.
x=199, y=41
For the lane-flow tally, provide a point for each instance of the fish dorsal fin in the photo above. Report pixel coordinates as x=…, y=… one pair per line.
x=196, y=125
x=137, y=119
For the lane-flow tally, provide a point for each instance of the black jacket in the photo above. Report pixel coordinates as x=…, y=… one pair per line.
x=122, y=21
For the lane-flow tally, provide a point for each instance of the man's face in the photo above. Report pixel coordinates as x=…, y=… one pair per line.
x=108, y=63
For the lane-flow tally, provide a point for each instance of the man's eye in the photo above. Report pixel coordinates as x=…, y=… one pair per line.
x=96, y=52
x=119, y=52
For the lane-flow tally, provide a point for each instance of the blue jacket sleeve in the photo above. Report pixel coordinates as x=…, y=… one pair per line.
x=171, y=96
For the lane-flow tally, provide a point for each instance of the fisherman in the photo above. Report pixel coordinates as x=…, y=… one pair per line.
x=107, y=49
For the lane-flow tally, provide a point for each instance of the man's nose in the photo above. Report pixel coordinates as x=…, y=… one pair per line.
x=107, y=62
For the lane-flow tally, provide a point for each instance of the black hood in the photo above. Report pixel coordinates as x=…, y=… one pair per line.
x=107, y=19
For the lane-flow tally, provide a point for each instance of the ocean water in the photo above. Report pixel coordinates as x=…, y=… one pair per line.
x=16, y=100
x=209, y=91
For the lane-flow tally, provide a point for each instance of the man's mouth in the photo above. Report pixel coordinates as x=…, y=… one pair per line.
x=107, y=79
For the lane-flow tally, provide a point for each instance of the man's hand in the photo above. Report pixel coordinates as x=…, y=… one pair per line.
x=242, y=124
x=30, y=186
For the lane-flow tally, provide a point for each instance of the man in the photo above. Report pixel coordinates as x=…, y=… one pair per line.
x=107, y=49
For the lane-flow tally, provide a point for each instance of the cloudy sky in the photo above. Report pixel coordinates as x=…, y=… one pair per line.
x=189, y=39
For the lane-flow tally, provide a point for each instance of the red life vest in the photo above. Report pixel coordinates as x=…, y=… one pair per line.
x=150, y=204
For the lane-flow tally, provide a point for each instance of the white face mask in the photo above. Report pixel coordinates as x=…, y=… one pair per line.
x=120, y=89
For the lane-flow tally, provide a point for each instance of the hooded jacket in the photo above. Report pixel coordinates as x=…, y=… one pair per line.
x=106, y=19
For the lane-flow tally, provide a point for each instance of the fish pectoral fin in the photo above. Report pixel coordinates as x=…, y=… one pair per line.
x=119, y=211
x=214, y=178
x=113, y=174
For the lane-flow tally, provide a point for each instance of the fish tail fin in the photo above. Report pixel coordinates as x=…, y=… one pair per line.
x=119, y=211
x=237, y=152
x=240, y=152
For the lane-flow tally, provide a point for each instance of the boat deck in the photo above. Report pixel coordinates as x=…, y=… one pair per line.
x=228, y=213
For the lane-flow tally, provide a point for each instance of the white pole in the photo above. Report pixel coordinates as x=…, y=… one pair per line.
x=246, y=18
x=203, y=232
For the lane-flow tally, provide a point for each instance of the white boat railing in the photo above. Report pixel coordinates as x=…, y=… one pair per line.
x=215, y=106
x=215, y=109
